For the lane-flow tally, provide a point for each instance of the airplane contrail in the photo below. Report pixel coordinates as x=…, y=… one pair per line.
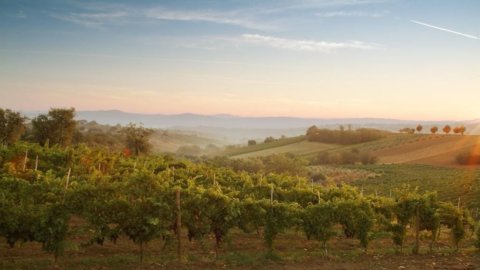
x=446, y=30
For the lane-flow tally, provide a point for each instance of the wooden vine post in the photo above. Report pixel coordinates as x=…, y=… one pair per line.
x=36, y=163
x=179, y=226
x=25, y=160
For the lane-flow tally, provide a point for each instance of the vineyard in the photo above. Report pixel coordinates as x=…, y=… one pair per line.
x=78, y=197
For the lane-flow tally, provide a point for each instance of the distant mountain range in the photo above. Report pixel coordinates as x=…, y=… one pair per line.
x=237, y=128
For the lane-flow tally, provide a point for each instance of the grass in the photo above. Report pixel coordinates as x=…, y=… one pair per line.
x=262, y=146
x=450, y=183
x=301, y=147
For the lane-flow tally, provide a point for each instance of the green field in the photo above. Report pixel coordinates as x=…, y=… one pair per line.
x=450, y=183
x=259, y=148
x=301, y=147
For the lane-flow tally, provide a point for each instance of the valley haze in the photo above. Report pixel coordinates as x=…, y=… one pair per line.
x=237, y=129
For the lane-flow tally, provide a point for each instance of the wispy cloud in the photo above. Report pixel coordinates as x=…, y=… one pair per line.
x=305, y=45
x=102, y=17
x=446, y=30
x=355, y=13
x=238, y=18
x=93, y=20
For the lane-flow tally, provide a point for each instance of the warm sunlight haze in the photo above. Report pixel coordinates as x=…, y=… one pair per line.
x=240, y=134
x=399, y=59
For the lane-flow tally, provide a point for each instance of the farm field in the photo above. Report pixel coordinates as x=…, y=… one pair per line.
x=450, y=183
x=437, y=150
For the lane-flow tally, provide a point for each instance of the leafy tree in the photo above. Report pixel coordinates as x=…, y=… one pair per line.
x=459, y=130
x=419, y=128
x=12, y=126
x=56, y=127
x=269, y=139
x=252, y=142
x=137, y=139
x=447, y=129
x=434, y=129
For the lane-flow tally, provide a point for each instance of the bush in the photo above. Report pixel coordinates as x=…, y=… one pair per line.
x=468, y=158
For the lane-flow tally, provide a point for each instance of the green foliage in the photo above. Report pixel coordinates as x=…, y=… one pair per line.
x=56, y=127
x=342, y=136
x=279, y=217
x=52, y=228
x=12, y=126
x=136, y=139
x=356, y=218
x=134, y=197
x=318, y=221
x=453, y=218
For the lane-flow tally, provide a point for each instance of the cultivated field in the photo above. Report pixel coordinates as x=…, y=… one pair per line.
x=437, y=150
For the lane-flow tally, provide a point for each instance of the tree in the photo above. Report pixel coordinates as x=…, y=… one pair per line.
x=447, y=129
x=407, y=130
x=252, y=142
x=137, y=139
x=269, y=139
x=419, y=128
x=56, y=127
x=460, y=129
x=12, y=126
x=434, y=129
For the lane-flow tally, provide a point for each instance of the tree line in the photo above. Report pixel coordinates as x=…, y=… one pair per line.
x=434, y=129
x=344, y=136
x=59, y=127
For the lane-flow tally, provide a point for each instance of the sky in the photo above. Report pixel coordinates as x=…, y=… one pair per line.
x=402, y=59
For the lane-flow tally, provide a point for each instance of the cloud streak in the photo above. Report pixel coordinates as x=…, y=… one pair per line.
x=101, y=17
x=356, y=13
x=236, y=18
x=445, y=30
x=305, y=45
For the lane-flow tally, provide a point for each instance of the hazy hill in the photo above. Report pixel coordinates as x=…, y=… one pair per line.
x=239, y=129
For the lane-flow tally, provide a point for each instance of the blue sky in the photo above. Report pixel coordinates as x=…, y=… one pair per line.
x=327, y=58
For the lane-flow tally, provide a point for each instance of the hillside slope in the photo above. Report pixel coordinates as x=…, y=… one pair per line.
x=437, y=150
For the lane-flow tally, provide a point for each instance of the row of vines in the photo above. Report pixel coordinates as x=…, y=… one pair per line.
x=142, y=198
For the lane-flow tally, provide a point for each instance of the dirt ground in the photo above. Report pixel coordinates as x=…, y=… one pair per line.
x=245, y=251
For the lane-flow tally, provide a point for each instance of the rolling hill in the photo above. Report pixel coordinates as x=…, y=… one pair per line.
x=439, y=150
